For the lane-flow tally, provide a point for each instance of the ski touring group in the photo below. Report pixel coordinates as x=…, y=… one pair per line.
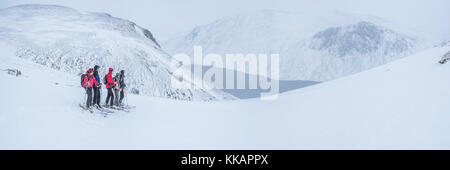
x=115, y=86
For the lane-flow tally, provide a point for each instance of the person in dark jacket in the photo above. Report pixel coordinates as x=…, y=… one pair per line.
x=122, y=86
x=88, y=83
x=97, y=89
x=116, y=89
x=109, y=86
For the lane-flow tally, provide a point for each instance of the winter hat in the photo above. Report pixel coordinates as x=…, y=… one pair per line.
x=110, y=69
x=89, y=70
x=96, y=67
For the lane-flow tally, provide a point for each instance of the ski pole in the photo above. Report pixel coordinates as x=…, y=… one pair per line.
x=126, y=95
x=99, y=94
x=85, y=96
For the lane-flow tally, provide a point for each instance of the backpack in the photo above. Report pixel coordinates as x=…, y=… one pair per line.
x=105, y=80
x=82, y=79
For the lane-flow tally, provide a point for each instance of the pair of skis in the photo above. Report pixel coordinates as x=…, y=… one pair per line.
x=102, y=111
x=120, y=108
x=128, y=107
x=106, y=110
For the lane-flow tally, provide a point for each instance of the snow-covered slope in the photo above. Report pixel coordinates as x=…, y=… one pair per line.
x=315, y=47
x=71, y=41
x=400, y=105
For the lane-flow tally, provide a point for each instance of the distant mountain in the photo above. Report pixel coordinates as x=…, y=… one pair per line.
x=340, y=51
x=72, y=41
x=311, y=47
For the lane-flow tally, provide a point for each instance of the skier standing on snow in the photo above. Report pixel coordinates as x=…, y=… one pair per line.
x=122, y=86
x=88, y=83
x=97, y=89
x=109, y=85
x=116, y=89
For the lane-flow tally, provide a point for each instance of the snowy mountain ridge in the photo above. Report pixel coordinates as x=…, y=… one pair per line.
x=311, y=47
x=361, y=38
x=69, y=40
x=340, y=51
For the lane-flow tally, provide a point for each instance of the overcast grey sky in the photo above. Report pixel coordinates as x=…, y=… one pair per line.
x=168, y=17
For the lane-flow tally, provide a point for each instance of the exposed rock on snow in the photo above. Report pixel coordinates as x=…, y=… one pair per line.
x=13, y=72
x=445, y=58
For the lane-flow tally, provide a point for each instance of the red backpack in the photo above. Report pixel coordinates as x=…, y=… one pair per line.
x=82, y=79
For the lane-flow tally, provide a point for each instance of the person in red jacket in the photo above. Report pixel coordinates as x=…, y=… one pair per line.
x=88, y=83
x=109, y=86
